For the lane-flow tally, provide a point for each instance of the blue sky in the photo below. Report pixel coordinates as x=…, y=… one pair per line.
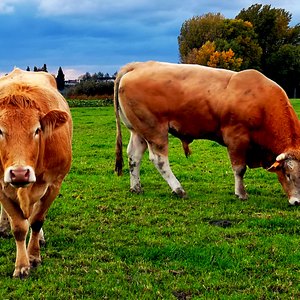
x=99, y=35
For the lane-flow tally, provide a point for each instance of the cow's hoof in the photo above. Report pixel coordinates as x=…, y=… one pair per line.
x=21, y=272
x=179, y=192
x=4, y=233
x=34, y=261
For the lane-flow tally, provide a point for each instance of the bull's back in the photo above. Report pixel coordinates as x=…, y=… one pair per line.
x=185, y=96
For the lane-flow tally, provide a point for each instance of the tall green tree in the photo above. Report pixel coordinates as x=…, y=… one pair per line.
x=240, y=37
x=271, y=27
x=196, y=31
x=227, y=35
x=279, y=43
x=60, y=79
x=285, y=67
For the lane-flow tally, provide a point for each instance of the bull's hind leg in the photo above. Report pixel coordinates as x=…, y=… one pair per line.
x=158, y=154
x=135, y=150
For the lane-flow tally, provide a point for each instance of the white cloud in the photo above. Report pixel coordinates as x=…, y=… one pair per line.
x=72, y=73
x=6, y=8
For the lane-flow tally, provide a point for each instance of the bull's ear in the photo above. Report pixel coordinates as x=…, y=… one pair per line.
x=53, y=120
x=275, y=167
x=278, y=163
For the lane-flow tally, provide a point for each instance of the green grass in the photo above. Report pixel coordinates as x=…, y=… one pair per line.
x=105, y=243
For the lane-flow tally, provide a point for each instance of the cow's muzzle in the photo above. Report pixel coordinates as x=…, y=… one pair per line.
x=19, y=176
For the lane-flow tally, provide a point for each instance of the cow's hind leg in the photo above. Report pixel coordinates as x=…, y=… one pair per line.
x=4, y=223
x=158, y=154
x=135, y=150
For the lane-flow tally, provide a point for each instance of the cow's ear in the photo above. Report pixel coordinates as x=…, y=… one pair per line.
x=278, y=164
x=53, y=120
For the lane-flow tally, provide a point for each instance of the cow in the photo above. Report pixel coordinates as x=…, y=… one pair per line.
x=245, y=111
x=35, y=156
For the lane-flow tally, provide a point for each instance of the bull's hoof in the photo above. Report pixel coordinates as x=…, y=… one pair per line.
x=179, y=192
x=243, y=197
x=42, y=242
x=136, y=190
x=21, y=272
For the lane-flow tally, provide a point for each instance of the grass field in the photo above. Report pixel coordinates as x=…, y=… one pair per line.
x=105, y=243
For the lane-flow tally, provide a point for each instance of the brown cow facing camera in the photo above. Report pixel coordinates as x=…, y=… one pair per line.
x=245, y=111
x=35, y=156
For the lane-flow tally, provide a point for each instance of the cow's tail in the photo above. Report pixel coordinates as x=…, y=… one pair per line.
x=119, y=144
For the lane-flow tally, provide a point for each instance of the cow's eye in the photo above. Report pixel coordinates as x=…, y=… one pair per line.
x=288, y=176
x=37, y=131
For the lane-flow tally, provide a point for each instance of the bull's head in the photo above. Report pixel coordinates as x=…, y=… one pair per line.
x=22, y=139
x=287, y=168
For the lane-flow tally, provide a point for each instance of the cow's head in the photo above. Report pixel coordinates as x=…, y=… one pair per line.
x=287, y=168
x=22, y=141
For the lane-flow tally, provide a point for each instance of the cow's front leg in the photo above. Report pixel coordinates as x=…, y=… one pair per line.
x=20, y=230
x=33, y=249
x=36, y=222
x=19, y=227
x=4, y=223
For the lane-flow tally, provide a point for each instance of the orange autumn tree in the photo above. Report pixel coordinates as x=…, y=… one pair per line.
x=208, y=56
x=225, y=60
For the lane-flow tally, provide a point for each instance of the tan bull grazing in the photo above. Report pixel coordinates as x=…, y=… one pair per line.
x=35, y=156
x=245, y=111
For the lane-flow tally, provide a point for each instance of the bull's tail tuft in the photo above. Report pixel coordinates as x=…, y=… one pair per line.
x=119, y=144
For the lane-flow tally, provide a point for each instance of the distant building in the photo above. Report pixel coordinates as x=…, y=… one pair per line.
x=71, y=82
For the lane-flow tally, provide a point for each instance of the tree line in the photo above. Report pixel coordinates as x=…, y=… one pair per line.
x=259, y=37
x=87, y=86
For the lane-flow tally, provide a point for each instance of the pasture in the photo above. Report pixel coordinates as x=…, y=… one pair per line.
x=102, y=242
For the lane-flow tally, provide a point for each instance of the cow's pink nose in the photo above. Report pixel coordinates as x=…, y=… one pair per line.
x=19, y=175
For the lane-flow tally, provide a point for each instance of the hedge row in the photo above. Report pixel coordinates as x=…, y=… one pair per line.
x=90, y=103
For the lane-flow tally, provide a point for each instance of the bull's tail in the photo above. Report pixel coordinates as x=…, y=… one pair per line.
x=119, y=144
x=119, y=153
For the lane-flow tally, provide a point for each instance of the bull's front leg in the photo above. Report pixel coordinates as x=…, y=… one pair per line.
x=240, y=191
x=4, y=223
